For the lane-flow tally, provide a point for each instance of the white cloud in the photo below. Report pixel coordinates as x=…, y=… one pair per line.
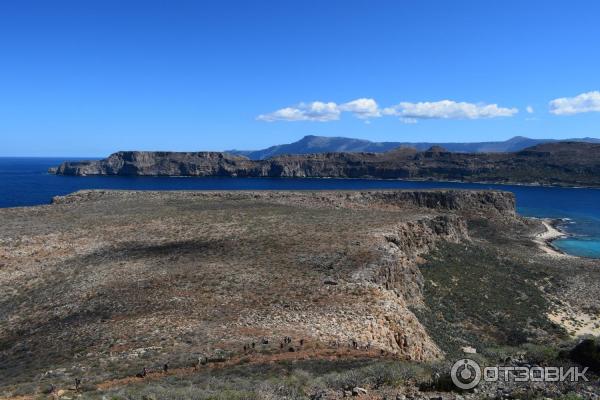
x=448, y=109
x=315, y=111
x=529, y=110
x=363, y=108
x=585, y=102
x=409, y=113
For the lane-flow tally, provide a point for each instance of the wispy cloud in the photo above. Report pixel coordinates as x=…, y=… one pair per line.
x=367, y=108
x=448, y=109
x=529, y=110
x=583, y=103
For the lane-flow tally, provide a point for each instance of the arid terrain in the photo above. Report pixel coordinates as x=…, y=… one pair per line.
x=283, y=295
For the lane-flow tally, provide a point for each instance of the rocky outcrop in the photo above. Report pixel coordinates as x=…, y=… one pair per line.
x=399, y=281
x=481, y=202
x=402, y=245
x=158, y=163
x=566, y=163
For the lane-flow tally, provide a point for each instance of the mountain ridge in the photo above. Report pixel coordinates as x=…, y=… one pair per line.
x=311, y=144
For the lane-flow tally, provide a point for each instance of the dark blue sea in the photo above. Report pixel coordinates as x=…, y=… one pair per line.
x=25, y=182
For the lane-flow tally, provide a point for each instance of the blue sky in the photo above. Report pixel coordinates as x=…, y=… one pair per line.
x=87, y=78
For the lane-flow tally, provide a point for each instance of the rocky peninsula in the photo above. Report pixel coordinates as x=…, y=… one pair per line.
x=561, y=164
x=102, y=284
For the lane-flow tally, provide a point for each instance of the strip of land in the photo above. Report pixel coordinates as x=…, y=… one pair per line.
x=545, y=238
x=560, y=164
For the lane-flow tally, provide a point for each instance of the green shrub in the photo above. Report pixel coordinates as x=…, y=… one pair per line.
x=540, y=354
x=376, y=375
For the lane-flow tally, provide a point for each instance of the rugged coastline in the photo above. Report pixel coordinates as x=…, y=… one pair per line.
x=557, y=164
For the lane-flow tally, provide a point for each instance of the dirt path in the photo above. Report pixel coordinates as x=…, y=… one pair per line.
x=253, y=359
x=245, y=359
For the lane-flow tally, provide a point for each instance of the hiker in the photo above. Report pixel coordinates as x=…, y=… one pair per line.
x=166, y=368
x=77, y=384
x=142, y=374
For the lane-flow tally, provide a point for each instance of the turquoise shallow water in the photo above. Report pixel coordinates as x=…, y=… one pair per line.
x=581, y=246
x=24, y=182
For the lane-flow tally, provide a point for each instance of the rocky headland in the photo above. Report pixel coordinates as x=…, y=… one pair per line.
x=563, y=163
x=101, y=284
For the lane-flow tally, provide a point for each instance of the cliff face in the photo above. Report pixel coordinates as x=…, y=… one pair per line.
x=401, y=245
x=567, y=163
x=159, y=163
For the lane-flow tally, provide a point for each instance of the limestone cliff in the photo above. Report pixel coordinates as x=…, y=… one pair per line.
x=158, y=163
x=568, y=163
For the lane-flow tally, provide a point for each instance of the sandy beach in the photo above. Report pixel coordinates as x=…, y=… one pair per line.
x=544, y=239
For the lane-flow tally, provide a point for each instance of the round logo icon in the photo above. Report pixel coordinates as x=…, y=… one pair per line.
x=466, y=374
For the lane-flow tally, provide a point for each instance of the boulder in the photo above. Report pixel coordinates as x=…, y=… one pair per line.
x=358, y=391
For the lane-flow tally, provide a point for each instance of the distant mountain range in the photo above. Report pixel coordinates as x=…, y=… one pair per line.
x=322, y=144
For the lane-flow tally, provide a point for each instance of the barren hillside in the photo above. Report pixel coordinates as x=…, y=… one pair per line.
x=103, y=283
